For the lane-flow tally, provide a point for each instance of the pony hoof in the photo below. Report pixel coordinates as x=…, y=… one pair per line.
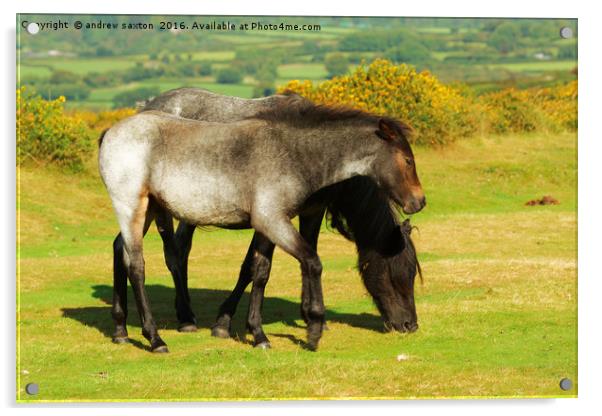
x=187, y=328
x=265, y=345
x=312, y=343
x=120, y=340
x=161, y=349
x=220, y=332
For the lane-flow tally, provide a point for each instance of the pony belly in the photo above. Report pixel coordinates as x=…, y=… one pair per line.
x=203, y=205
x=198, y=212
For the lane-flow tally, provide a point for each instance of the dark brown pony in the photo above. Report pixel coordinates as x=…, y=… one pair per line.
x=387, y=256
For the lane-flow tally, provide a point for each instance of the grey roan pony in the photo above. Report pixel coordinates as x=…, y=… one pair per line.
x=356, y=208
x=256, y=173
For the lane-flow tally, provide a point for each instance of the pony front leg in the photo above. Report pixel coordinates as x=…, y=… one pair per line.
x=309, y=228
x=262, y=263
x=183, y=240
x=281, y=232
x=227, y=309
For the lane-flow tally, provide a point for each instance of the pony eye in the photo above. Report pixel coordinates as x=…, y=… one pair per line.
x=409, y=161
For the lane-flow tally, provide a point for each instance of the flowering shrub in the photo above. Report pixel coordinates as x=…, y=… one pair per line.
x=46, y=134
x=437, y=112
x=440, y=113
x=545, y=109
x=559, y=104
x=99, y=121
x=510, y=110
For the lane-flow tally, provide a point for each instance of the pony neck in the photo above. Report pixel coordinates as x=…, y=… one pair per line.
x=349, y=151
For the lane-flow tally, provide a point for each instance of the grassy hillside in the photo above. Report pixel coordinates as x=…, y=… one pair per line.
x=497, y=310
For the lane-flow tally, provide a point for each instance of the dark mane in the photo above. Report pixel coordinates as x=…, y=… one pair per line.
x=302, y=113
x=362, y=213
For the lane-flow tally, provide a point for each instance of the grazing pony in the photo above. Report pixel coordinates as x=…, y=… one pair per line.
x=387, y=261
x=255, y=173
x=378, y=270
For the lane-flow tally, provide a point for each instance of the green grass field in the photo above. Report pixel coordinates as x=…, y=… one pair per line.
x=497, y=309
x=103, y=97
x=537, y=66
x=302, y=71
x=28, y=71
x=82, y=66
x=213, y=55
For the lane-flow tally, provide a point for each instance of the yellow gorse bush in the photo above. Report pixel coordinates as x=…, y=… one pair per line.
x=440, y=113
x=46, y=134
x=542, y=109
x=560, y=105
x=436, y=111
x=99, y=121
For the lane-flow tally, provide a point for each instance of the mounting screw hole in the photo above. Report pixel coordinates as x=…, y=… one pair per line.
x=32, y=28
x=32, y=389
x=566, y=384
x=566, y=33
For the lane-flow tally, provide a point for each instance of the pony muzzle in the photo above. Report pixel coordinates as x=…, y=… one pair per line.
x=414, y=205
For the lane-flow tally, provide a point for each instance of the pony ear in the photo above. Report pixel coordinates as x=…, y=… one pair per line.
x=385, y=131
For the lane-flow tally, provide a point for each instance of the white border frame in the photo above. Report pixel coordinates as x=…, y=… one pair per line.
x=589, y=199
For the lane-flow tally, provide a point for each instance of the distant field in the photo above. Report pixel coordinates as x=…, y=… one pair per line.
x=213, y=56
x=440, y=55
x=438, y=30
x=27, y=71
x=302, y=71
x=318, y=35
x=337, y=30
x=236, y=90
x=103, y=97
x=107, y=94
x=84, y=66
x=307, y=66
x=280, y=44
x=241, y=38
x=537, y=66
x=368, y=56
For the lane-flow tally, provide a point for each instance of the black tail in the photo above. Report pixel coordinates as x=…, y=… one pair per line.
x=102, y=136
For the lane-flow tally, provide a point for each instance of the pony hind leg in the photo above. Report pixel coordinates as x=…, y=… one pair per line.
x=184, y=313
x=134, y=223
x=119, y=308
